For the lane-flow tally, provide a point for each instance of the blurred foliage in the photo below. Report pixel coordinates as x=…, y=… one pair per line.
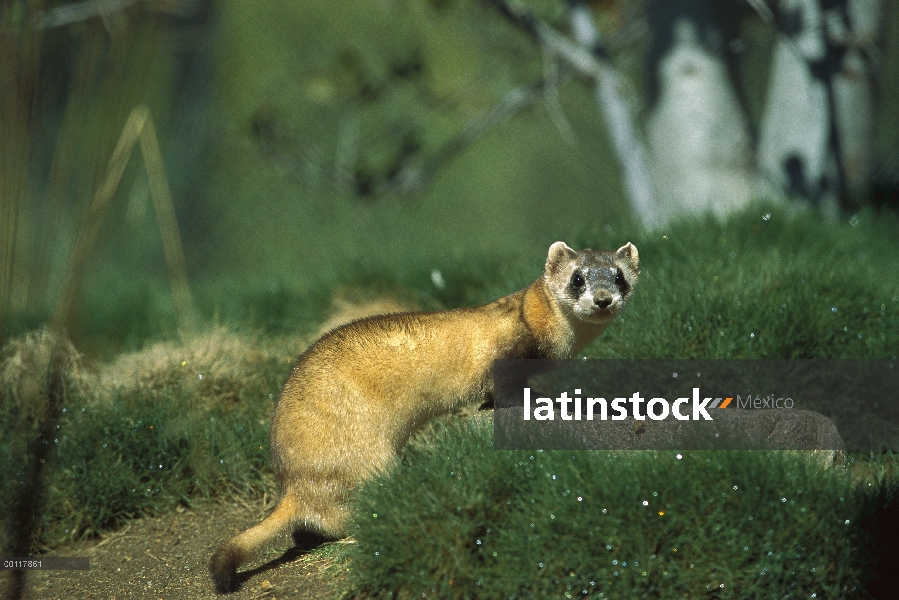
x=773, y=282
x=71, y=90
x=324, y=105
x=310, y=146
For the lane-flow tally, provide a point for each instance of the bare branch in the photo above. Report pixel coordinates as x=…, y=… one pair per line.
x=168, y=225
x=551, y=97
x=410, y=179
x=762, y=9
x=587, y=57
x=138, y=129
x=631, y=151
x=67, y=14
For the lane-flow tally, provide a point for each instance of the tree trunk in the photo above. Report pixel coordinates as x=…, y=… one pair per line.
x=853, y=93
x=796, y=145
x=697, y=129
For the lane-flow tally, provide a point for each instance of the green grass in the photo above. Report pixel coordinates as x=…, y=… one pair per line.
x=750, y=288
x=151, y=431
x=789, y=286
x=770, y=284
x=462, y=520
x=153, y=453
x=143, y=433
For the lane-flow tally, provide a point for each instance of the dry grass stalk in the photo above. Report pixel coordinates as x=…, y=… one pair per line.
x=138, y=127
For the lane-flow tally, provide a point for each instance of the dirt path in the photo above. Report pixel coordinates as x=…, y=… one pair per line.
x=166, y=557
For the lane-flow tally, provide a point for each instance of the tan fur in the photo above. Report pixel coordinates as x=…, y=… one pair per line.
x=345, y=310
x=357, y=394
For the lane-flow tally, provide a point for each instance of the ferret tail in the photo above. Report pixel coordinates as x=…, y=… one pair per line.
x=224, y=564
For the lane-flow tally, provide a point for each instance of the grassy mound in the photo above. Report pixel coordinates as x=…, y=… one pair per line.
x=770, y=283
x=149, y=430
x=146, y=432
x=462, y=520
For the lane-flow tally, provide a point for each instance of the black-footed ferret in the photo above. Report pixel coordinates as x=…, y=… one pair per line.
x=358, y=393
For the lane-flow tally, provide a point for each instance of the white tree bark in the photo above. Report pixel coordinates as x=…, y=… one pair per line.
x=635, y=164
x=794, y=146
x=698, y=135
x=853, y=96
x=820, y=108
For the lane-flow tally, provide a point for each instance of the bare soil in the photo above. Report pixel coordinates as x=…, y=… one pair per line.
x=166, y=557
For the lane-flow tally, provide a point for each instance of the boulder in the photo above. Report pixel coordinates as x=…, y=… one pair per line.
x=732, y=429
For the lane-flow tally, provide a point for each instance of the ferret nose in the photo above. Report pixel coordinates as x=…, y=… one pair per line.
x=602, y=301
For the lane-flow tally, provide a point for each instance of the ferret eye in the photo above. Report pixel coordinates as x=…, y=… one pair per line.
x=620, y=281
x=577, y=280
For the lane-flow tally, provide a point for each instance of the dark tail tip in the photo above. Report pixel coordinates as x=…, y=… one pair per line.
x=223, y=566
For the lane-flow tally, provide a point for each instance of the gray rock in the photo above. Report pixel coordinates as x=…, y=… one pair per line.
x=732, y=429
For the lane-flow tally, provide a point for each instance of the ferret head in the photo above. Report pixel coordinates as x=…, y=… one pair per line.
x=591, y=285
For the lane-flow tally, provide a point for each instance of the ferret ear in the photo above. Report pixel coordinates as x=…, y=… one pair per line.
x=628, y=253
x=559, y=254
